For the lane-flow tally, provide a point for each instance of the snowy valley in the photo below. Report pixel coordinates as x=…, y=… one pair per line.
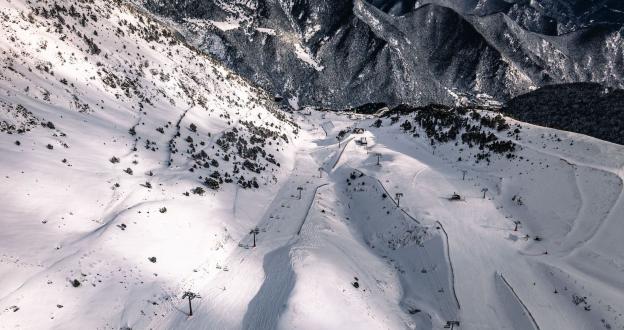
x=136, y=169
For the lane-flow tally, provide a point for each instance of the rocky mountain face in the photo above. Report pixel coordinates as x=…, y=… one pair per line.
x=350, y=52
x=552, y=17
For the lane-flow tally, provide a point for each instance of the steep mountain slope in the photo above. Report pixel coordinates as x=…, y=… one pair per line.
x=346, y=53
x=120, y=143
x=550, y=17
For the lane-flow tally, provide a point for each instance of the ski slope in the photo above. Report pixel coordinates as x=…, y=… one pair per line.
x=571, y=193
x=103, y=150
x=103, y=225
x=408, y=275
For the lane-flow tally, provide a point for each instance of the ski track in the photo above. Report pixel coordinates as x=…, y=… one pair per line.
x=575, y=164
x=523, y=306
x=450, y=263
x=257, y=287
x=265, y=306
x=77, y=245
x=445, y=307
x=344, y=147
x=305, y=217
x=264, y=309
x=269, y=301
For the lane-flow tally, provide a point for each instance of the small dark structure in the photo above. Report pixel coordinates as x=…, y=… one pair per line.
x=300, y=189
x=190, y=295
x=451, y=324
x=254, y=232
x=398, y=198
x=455, y=197
x=378, y=158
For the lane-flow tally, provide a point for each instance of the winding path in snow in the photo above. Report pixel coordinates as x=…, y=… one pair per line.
x=447, y=247
x=588, y=235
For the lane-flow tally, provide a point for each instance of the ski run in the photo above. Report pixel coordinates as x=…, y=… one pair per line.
x=145, y=175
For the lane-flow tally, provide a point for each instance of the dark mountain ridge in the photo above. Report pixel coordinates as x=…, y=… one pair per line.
x=349, y=52
x=586, y=108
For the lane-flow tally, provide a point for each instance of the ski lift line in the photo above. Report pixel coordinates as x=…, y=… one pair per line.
x=526, y=309
x=433, y=280
x=448, y=308
x=448, y=256
x=305, y=217
x=425, y=248
x=325, y=131
x=341, y=152
x=395, y=203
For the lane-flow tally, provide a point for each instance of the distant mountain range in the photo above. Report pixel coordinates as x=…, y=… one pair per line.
x=344, y=53
x=549, y=17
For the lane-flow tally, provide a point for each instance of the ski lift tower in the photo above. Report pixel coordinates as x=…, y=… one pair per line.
x=378, y=158
x=254, y=232
x=299, y=189
x=398, y=198
x=190, y=296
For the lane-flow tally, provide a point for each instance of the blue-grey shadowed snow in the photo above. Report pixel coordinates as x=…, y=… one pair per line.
x=265, y=308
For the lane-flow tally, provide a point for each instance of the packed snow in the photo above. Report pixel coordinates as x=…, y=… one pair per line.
x=112, y=209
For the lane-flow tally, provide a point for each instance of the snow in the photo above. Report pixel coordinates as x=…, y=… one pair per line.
x=267, y=31
x=304, y=55
x=347, y=254
x=72, y=213
x=294, y=102
x=226, y=26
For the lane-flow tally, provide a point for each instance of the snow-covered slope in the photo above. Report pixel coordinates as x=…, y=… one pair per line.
x=119, y=143
x=134, y=168
x=562, y=268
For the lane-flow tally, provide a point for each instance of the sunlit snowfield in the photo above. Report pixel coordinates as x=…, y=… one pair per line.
x=134, y=169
